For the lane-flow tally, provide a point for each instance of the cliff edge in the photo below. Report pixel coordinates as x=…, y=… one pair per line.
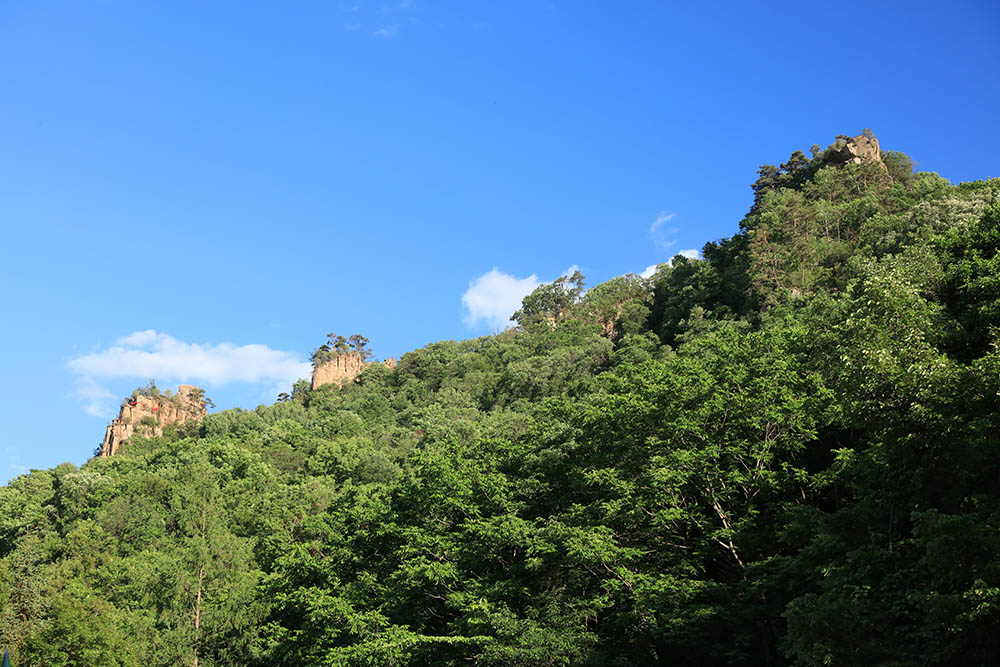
x=148, y=415
x=343, y=368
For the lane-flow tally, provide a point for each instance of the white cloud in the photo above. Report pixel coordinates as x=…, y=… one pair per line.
x=387, y=31
x=494, y=296
x=663, y=217
x=149, y=354
x=650, y=270
x=140, y=338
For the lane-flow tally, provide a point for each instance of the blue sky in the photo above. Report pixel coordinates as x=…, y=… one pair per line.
x=201, y=191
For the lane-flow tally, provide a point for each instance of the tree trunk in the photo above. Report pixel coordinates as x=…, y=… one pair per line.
x=197, y=604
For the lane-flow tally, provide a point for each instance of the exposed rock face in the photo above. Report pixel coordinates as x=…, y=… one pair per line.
x=856, y=150
x=343, y=368
x=151, y=414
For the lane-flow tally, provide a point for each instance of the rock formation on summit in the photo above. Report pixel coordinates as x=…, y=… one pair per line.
x=855, y=150
x=147, y=415
x=343, y=368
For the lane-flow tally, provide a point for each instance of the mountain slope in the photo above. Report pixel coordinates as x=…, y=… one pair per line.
x=783, y=454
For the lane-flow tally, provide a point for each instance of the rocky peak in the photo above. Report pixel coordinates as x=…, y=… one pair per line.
x=148, y=415
x=855, y=150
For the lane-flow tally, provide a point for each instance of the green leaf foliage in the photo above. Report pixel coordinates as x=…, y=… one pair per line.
x=785, y=453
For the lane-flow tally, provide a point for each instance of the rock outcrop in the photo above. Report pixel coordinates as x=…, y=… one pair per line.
x=343, y=368
x=150, y=414
x=856, y=150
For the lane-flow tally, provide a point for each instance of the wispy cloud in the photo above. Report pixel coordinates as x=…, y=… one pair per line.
x=661, y=234
x=94, y=397
x=662, y=218
x=14, y=466
x=381, y=20
x=150, y=354
x=402, y=4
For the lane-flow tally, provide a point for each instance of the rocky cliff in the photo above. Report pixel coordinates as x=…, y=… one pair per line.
x=856, y=150
x=343, y=368
x=148, y=415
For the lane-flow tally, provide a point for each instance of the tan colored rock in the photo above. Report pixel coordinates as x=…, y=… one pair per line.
x=343, y=368
x=856, y=150
x=338, y=370
x=151, y=414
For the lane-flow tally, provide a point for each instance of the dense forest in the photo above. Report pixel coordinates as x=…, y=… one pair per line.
x=786, y=453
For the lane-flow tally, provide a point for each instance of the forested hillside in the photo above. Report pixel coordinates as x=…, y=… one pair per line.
x=786, y=453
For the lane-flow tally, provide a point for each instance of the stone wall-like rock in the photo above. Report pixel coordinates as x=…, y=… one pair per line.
x=151, y=414
x=338, y=370
x=343, y=368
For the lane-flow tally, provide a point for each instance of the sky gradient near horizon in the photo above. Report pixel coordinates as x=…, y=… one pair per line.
x=199, y=192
